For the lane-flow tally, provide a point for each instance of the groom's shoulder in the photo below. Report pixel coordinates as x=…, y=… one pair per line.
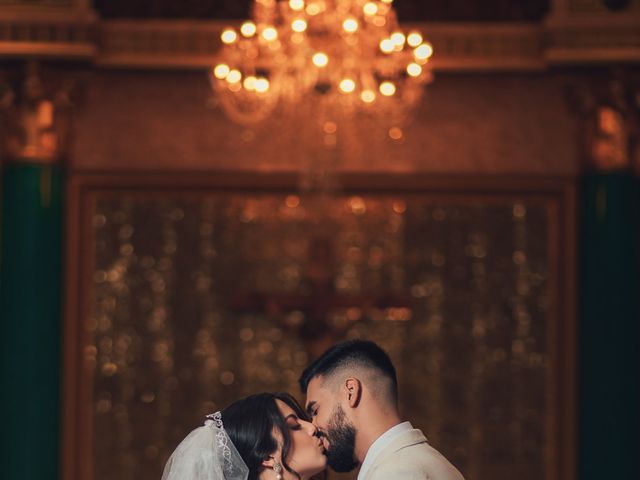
x=410, y=457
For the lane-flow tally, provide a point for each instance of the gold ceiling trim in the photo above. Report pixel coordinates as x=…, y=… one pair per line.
x=189, y=44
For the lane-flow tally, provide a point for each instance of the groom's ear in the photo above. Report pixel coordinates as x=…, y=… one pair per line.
x=353, y=391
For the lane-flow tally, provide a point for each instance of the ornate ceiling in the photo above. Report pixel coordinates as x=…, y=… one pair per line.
x=408, y=10
x=468, y=35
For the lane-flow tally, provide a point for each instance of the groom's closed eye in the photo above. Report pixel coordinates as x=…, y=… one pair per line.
x=312, y=410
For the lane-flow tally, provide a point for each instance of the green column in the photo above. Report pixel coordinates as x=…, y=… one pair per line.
x=609, y=328
x=30, y=326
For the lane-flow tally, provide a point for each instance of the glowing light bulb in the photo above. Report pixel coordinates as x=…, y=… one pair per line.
x=414, y=39
x=221, y=71
x=298, y=25
x=350, y=25
x=379, y=21
x=387, y=46
x=424, y=51
x=261, y=85
x=387, y=89
x=370, y=8
x=234, y=76
x=296, y=5
x=320, y=59
x=313, y=9
x=395, y=133
x=270, y=34
x=368, y=96
x=229, y=36
x=414, y=69
x=347, y=85
x=387, y=1
x=398, y=39
x=249, y=83
x=248, y=29
x=330, y=127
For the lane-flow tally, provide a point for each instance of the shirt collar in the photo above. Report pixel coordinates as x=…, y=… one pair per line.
x=382, y=442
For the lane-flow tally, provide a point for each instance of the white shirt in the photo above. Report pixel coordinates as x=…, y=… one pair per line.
x=382, y=442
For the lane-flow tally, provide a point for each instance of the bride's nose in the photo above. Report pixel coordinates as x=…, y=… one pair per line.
x=310, y=428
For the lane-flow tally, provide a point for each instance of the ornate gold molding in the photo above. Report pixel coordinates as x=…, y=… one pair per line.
x=563, y=39
x=593, y=39
x=158, y=44
x=52, y=32
x=485, y=47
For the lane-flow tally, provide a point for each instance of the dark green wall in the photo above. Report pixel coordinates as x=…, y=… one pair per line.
x=609, y=323
x=30, y=301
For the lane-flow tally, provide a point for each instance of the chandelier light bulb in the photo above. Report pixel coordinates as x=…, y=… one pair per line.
x=249, y=83
x=270, y=34
x=228, y=36
x=395, y=133
x=379, y=21
x=414, y=39
x=296, y=5
x=368, y=96
x=221, y=71
x=261, y=85
x=234, y=76
x=387, y=45
x=388, y=2
x=347, y=85
x=423, y=51
x=313, y=9
x=298, y=25
x=387, y=89
x=248, y=29
x=414, y=70
x=350, y=25
x=370, y=8
x=320, y=59
x=330, y=127
x=398, y=39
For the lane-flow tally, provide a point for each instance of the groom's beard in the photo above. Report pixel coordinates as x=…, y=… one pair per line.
x=342, y=442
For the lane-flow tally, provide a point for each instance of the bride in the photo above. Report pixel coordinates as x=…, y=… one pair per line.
x=261, y=437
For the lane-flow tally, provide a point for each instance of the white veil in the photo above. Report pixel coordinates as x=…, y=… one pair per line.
x=207, y=453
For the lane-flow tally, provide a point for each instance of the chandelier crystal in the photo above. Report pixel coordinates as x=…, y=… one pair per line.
x=346, y=60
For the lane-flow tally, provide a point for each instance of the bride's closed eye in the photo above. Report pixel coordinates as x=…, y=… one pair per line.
x=292, y=422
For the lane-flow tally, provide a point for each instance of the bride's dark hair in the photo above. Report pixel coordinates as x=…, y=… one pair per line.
x=250, y=424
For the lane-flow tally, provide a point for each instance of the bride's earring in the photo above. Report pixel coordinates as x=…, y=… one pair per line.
x=278, y=469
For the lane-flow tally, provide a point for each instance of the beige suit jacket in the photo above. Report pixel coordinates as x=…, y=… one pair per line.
x=410, y=457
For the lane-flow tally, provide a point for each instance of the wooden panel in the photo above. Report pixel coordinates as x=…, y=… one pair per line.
x=552, y=237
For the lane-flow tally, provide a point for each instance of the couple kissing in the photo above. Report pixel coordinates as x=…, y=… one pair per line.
x=350, y=420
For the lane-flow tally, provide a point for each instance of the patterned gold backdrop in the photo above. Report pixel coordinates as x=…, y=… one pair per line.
x=203, y=298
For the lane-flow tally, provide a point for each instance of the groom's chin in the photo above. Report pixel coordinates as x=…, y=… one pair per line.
x=343, y=468
x=341, y=465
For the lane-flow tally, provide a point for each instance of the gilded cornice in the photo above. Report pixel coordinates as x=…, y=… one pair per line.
x=564, y=38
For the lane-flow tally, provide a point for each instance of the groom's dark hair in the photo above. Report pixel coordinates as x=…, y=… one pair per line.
x=353, y=354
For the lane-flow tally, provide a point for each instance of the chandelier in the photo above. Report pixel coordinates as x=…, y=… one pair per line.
x=347, y=61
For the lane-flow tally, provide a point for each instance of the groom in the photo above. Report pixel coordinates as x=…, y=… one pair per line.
x=352, y=398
